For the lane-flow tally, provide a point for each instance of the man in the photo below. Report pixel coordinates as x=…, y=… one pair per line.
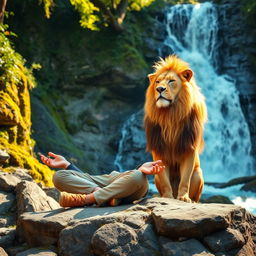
x=80, y=189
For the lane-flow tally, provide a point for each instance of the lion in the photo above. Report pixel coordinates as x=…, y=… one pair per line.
x=174, y=116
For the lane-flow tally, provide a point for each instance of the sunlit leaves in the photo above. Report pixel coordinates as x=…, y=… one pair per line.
x=48, y=5
x=87, y=12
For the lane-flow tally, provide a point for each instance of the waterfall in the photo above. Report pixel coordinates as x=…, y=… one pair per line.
x=193, y=36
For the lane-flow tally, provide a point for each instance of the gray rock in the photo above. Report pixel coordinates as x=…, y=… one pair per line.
x=49, y=223
x=190, y=220
x=148, y=239
x=225, y=240
x=7, y=236
x=114, y=238
x=189, y=247
x=8, y=181
x=31, y=198
x=37, y=252
x=4, y=156
x=3, y=252
x=21, y=173
x=7, y=220
x=7, y=201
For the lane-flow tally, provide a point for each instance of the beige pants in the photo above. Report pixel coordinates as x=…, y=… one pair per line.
x=128, y=186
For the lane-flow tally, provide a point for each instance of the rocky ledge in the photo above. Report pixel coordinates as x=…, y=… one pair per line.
x=154, y=226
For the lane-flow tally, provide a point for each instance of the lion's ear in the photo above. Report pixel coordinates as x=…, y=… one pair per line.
x=187, y=74
x=151, y=77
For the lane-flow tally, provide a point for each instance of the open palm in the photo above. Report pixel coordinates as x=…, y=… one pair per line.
x=57, y=161
x=152, y=167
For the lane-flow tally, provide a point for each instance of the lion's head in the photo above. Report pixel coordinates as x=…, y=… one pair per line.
x=174, y=105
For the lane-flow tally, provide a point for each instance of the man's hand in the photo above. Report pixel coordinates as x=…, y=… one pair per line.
x=57, y=161
x=152, y=167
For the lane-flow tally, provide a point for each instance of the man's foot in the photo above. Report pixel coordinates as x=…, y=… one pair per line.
x=114, y=202
x=72, y=200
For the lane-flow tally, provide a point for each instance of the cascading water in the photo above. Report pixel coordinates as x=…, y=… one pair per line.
x=192, y=35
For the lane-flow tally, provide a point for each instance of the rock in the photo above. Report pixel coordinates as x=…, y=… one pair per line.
x=216, y=199
x=49, y=224
x=71, y=244
x=6, y=221
x=21, y=173
x=4, y=156
x=53, y=193
x=148, y=239
x=135, y=229
x=31, y=198
x=190, y=220
x=225, y=240
x=7, y=236
x=236, y=181
x=37, y=252
x=112, y=238
x=185, y=248
x=8, y=181
x=2, y=252
x=250, y=186
x=7, y=201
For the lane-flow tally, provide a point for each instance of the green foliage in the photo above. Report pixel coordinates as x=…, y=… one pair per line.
x=249, y=7
x=48, y=5
x=88, y=13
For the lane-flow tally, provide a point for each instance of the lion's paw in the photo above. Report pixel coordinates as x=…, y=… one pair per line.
x=185, y=198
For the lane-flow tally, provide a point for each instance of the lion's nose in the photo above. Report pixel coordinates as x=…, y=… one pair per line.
x=160, y=89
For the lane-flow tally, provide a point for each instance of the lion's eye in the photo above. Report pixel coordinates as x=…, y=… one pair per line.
x=157, y=81
x=171, y=81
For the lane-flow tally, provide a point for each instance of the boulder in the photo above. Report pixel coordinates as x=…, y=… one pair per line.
x=156, y=226
x=4, y=156
x=225, y=240
x=190, y=220
x=114, y=238
x=7, y=201
x=184, y=248
x=43, y=228
x=37, y=252
x=250, y=186
x=31, y=198
x=7, y=236
x=8, y=181
x=219, y=199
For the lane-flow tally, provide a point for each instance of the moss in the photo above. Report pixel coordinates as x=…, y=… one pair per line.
x=15, y=82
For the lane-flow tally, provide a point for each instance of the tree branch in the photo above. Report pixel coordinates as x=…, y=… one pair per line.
x=2, y=10
x=108, y=14
x=121, y=11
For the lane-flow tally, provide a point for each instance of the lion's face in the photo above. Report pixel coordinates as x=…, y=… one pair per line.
x=167, y=87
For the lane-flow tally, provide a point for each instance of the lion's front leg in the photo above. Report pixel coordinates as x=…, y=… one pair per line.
x=163, y=184
x=186, y=170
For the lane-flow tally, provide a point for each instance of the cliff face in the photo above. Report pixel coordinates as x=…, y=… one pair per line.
x=15, y=111
x=237, y=58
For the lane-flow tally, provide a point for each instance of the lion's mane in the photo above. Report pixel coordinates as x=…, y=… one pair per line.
x=174, y=132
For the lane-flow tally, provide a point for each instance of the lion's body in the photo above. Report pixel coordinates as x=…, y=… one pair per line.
x=175, y=113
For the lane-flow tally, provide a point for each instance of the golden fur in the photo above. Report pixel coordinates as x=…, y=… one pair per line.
x=174, y=128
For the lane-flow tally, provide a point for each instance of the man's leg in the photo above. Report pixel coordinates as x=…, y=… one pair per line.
x=130, y=186
x=74, y=182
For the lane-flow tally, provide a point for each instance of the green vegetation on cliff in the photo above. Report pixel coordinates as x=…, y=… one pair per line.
x=15, y=82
